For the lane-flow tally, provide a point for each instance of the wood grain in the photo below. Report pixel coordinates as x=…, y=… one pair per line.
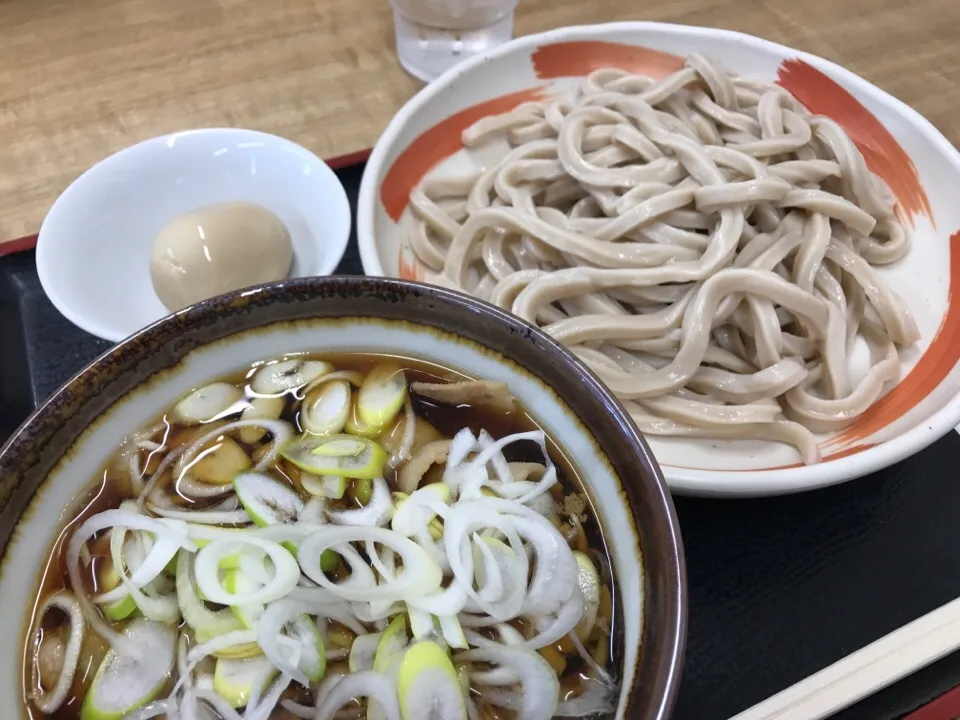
x=80, y=79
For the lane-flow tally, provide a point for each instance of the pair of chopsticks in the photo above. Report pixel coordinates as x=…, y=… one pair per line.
x=868, y=670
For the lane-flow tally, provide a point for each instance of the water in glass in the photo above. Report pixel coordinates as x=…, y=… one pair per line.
x=434, y=35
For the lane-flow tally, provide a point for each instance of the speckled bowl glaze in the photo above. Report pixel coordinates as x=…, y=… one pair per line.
x=54, y=455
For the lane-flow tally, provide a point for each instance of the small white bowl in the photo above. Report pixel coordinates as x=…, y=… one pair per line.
x=93, y=251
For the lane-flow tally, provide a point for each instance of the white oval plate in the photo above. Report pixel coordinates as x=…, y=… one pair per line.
x=919, y=164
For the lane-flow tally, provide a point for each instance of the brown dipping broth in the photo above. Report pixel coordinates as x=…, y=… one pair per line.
x=112, y=486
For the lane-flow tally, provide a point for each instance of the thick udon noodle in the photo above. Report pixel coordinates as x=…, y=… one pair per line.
x=703, y=242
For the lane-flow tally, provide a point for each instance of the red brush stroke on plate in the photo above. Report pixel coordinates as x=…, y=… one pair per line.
x=819, y=93
x=932, y=368
x=436, y=144
x=576, y=59
x=880, y=149
x=442, y=140
x=407, y=268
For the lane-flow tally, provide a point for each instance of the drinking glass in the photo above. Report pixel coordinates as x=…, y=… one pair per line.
x=434, y=35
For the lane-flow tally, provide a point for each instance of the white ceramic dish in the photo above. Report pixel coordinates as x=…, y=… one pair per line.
x=61, y=448
x=94, y=246
x=920, y=165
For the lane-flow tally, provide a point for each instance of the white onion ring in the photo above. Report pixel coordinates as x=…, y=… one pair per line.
x=186, y=486
x=203, y=517
x=463, y=519
x=218, y=703
x=280, y=430
x=162, y=608
x=463, y=444
x=294, y=708
x=540, y=691
x=262, y=709
x=220, y=642
x=555, y=574
x=151, y=485
x=421, y=575
x=131, y=447
x=602, y=675
x=340, y=614
x=286, y=573
x=471, y=473
x=375, y=513
x=376, y=615
x=275, y=533
x=449, y=601
x=490, y=576
x=49, y=702
x=557, y=628
x=314, y=597
x=496, y=459
x=596, y=699
x=93, y=525
x=270, y=628
x=409, y=435
x=369, y=684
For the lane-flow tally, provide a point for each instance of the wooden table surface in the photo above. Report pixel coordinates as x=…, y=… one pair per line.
x=80, y=79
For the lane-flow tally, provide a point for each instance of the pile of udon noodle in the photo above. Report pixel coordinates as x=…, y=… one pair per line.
x=703, y=242
x=312, y=547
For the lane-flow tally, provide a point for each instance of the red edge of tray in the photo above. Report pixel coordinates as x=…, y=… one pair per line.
x=945, y=707
x=30, y=241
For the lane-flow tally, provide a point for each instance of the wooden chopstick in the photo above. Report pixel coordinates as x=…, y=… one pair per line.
x=866, y=671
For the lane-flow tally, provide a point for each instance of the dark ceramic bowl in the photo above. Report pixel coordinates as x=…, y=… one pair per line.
x=57, y=452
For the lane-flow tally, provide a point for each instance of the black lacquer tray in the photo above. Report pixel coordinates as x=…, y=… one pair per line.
x=779, y=588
